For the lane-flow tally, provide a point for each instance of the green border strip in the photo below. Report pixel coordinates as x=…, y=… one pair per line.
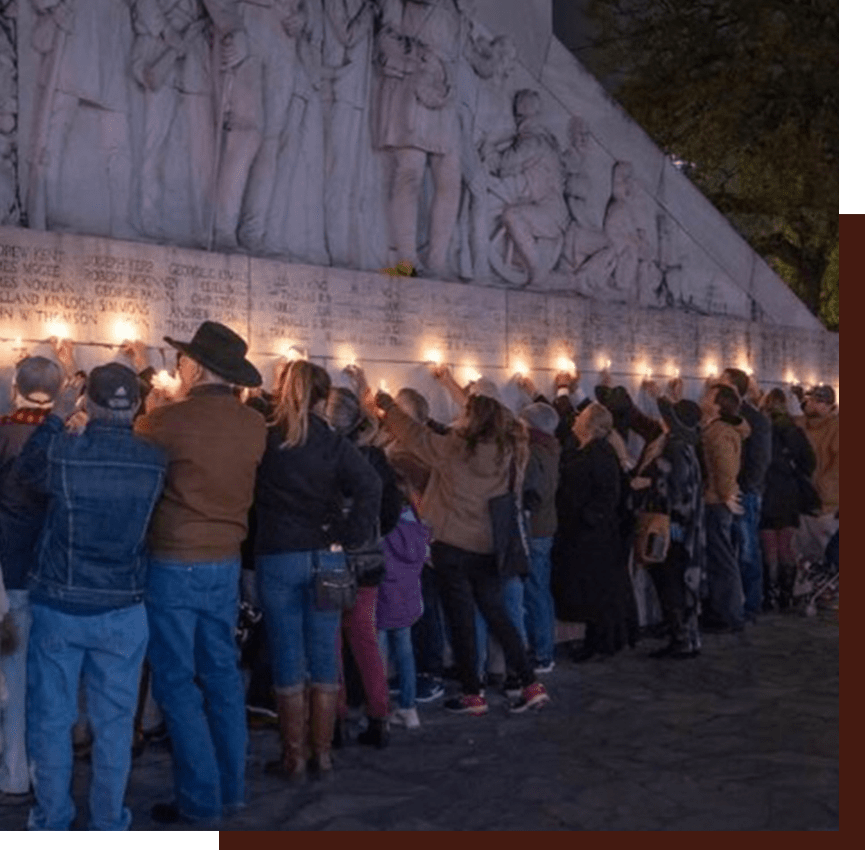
x=111, y=840
x=851, y=121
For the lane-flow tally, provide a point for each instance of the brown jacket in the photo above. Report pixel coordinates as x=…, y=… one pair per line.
x=214, y=445
x=456, y=501
x=824, y=434
x=722, y=453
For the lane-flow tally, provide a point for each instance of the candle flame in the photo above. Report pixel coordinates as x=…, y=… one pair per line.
x=520, y=368
x=345, y=356
x=565, y=364
x=433, y=355
x=711, y=369
x=59, y=329
x=124, y=331
x=382, y=385
x=165, y=381
x=472, y=374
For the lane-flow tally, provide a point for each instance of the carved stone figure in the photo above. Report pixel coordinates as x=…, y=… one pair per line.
x=485, y=121
x=347, y=66
x=85, y=47
x=534, y=216
x=583, y=238
x=629, y=243
x=8, y=122
x=416, y=119
x=295, y=224
x=258, y=60
x=171, y=59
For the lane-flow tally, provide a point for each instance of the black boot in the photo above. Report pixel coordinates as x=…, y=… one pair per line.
x=786, y=583
x=377, y=733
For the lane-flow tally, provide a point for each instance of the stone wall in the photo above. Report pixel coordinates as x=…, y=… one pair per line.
x=100, y=291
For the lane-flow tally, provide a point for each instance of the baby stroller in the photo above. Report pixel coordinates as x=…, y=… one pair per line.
x=818, y=580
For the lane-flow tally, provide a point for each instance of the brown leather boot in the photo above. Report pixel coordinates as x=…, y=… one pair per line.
x=323, y=700
x=293, y=710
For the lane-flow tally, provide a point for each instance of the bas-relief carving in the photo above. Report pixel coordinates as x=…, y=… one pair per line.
x=334, y=132
x=8, y=118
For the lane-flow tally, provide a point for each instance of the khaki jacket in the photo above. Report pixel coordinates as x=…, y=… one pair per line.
x=824, y=435
x=455, y=503
x=214, y=445
x=722, y=453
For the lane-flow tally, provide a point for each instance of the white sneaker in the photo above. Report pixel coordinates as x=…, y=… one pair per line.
x=405, y=717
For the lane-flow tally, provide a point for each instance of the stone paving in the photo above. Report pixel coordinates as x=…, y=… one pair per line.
x=745, y=737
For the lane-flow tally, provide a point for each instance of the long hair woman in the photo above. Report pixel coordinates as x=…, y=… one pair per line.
x=307, y=475
x=471, y=464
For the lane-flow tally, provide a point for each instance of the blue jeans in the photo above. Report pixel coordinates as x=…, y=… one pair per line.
x=107, y=651
x=540, y=619
x=722, y=567
x=302, y=639
x=397, y=642
x=192, y=610
x=14, y=776
x=747, y=533
x=512, y=597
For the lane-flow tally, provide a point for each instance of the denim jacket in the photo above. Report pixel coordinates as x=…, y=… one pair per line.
x=101, y=487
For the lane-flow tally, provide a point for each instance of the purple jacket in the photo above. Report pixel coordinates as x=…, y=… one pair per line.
x=399, y=594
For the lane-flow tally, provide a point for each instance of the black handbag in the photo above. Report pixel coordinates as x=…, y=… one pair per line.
x=335, y=585
x=510, y=539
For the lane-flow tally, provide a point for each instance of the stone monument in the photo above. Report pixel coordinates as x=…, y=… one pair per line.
x=260, y=161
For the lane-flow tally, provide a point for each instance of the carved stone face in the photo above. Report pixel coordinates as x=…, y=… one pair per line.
x=578, y=133
x=293, y=16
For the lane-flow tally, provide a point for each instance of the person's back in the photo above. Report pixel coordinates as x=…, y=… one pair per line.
x=102, y=487
x=87, y=588
x=214, y=444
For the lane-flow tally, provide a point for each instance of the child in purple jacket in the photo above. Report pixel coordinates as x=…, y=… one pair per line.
x=400, y=605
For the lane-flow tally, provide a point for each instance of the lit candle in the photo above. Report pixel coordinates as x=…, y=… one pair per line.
x=291, y=352
x=433, y=355
x=18, y=344
x=165, y=381
x=345, y=357
x=124, y=331
x=565, y=364
x=711, y=369
x=647, y=373
x=472, y=374
x=520, y=367
x=790, y=378
x=382, y=385
x=604, y=363
x=676, y=372
x=59, y=329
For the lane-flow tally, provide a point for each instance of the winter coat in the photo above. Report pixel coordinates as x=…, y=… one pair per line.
x=756, y=450
x=456, y=500
x=791, y=454
x=300, y=493
x=585, y=554
x=824, y=433
x=399, y=594
x=722, y=457
x=542, y=479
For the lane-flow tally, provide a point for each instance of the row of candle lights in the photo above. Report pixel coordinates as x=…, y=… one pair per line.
x=124, y=331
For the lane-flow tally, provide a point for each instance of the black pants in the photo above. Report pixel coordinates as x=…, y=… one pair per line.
x=669, y=581
x=427, y=633
x=466, y=579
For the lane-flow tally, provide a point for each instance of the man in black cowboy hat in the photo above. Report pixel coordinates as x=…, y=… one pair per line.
x=214, y=445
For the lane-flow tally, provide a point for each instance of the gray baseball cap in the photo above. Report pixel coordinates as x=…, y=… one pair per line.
x=38, y=379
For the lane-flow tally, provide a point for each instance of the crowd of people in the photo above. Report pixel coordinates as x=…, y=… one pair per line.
x=330, y=536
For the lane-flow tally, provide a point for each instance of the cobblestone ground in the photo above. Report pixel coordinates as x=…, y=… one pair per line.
x=744, y=737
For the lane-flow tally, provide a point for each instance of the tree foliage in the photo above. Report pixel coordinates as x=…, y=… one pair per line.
x=746, y=94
